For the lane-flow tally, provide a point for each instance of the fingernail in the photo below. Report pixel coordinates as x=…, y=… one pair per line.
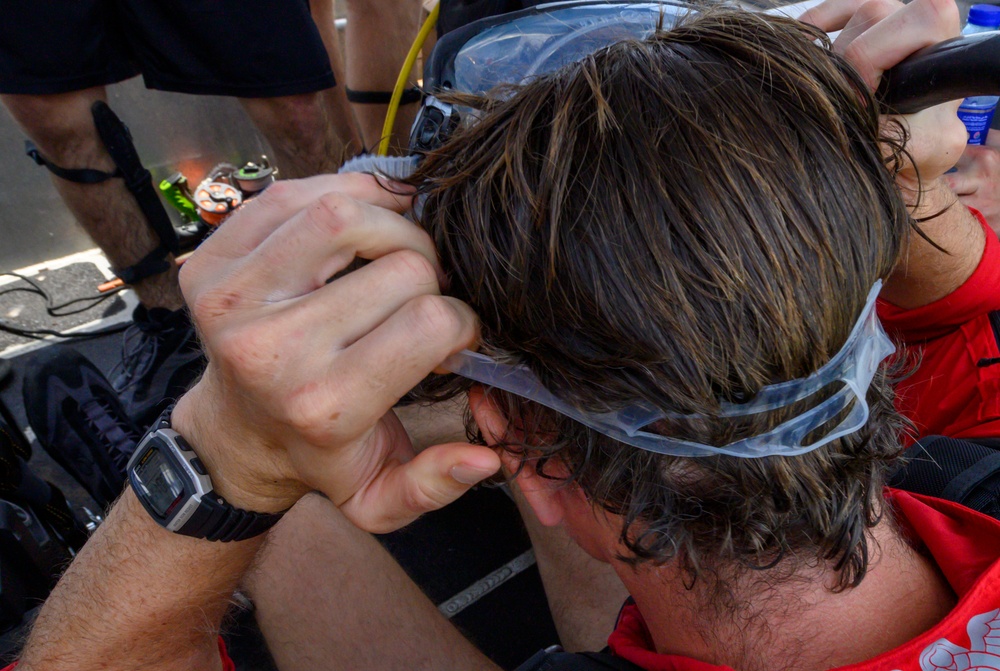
x=469, y=475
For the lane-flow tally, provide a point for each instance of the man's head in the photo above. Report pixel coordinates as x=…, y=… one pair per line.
x=682, y=221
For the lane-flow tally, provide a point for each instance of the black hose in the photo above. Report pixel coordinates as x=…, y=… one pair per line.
x=954, y=69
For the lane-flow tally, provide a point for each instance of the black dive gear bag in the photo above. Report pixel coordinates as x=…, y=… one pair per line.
x=962, y=471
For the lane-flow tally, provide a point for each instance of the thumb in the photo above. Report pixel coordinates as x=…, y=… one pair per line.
x=402, y=492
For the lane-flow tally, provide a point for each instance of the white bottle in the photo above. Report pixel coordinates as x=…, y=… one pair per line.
x=977, y=112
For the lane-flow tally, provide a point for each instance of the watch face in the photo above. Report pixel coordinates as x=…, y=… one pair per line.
x=159, y=481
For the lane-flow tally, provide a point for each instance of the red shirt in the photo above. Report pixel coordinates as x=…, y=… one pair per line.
x=955, y=391
x=966, y=547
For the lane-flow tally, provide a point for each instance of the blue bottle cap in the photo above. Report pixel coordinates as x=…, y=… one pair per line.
x=985, y=15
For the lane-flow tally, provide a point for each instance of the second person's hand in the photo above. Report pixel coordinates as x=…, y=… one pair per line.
x=878, y=34
x=303, y=371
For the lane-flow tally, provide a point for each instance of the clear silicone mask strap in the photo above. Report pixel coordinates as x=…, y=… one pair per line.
x=854, y=365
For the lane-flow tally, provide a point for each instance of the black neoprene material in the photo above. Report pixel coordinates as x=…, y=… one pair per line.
x=78, y=175
x=410, y=95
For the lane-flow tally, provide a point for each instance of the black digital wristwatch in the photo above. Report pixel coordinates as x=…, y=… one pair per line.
x=174, y=487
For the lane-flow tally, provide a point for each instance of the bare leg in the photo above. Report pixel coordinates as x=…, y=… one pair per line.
x=62, y=127
x=302, y=132
x=329, y=597
x=345, y=125
x=379, y=34
x=584, y=617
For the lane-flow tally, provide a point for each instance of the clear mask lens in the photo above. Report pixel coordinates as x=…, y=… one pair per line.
x=539, y=43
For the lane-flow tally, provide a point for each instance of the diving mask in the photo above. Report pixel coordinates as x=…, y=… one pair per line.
x=514, y=47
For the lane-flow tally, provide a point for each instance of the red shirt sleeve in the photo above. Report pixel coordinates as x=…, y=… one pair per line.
x=227, y=663
x=954, y=344
x=979, y=295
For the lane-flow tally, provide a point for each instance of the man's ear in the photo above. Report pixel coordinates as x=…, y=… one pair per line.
x=546, y=496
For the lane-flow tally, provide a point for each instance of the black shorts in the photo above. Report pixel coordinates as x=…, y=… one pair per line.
x=243, y=48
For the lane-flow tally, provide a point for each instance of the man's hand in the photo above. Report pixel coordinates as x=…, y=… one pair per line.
x=302, y=376
x=303, y=372
x=876, y=35
x=977, y=180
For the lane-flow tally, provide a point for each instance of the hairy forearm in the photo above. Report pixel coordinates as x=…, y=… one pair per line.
x=925, y=273
x=138, y=596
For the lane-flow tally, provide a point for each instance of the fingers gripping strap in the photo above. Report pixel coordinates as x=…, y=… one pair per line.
x=410, y=95
x=77, y=175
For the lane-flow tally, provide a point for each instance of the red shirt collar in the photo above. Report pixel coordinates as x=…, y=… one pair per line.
x=965, y=545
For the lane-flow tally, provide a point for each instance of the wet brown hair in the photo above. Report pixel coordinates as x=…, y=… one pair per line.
x=683, y=220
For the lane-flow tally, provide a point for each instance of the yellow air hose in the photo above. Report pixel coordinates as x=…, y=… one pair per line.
x=404, y=75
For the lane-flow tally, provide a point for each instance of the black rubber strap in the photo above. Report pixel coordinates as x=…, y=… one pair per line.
x=153, y=263
x=229, y=523
x=410, y=95
x=118, y=141
x=77, y=175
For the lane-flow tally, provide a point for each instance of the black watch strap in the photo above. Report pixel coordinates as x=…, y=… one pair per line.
x=217, y=520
